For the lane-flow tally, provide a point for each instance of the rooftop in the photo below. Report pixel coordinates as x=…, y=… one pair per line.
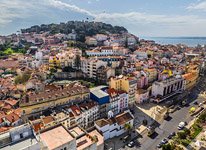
x=99, y=93
x=21, y=144
x=102, y=122
x=84, y=142
x=56, y=137
x=100, y=138
x=76, y=131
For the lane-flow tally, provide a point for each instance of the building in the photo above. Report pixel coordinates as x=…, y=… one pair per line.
x=35, y=103
x=114, y=126
x=58, y=138
x=104, y=73
x=142, y=96
x=127, y=84
x=90, y=66
x=100, y=95
x=118, y=101
x=190, y=80
x=21, y=137
x=85, y=113
x=91, y=41
x=167, y=88
x=152, y=74
x=87, y=139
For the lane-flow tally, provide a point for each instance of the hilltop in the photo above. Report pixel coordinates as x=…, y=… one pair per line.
x=82, y=28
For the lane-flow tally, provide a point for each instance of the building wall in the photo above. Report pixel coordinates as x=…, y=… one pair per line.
x=37, y=107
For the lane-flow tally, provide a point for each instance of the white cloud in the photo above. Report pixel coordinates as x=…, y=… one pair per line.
x=198, y=6
x=62, y=5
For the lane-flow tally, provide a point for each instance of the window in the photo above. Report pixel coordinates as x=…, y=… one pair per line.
x=21, y=135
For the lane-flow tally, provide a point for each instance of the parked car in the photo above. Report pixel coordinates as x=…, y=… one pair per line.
x=195, y=103
x=181, y=125
x=164, y=141
x=171, y=135
x=159, y=145
x=126, y=138
x=130, y=144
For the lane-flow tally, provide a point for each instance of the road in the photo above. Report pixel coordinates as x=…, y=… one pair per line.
x=169, y=126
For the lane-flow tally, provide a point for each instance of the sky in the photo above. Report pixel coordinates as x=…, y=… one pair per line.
x=144, y=18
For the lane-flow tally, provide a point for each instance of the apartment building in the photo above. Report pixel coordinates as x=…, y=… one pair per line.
x=127, y=84
x=167, y=88
x=114, y=126
x=118, y=101
x=90, y=66
x=34, y=103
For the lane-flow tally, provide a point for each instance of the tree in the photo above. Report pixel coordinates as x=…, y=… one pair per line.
x=182, y=135
x=128, y=127
x=168, y=147
x=77, y=61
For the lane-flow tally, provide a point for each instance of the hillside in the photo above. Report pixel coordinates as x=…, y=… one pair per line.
x=82, y=28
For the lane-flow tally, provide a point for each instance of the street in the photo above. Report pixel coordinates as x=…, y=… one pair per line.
x=166, y=126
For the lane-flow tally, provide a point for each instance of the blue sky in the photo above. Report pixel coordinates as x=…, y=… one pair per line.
x=140, y=17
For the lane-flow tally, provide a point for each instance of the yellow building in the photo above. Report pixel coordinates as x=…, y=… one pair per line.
x=54, y=62
x=190, y=79
x=126, y=84
x=152, y=74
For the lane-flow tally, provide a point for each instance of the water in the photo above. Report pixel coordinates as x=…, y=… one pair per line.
x=190, y=41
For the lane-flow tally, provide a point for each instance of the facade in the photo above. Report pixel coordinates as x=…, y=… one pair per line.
x=190, y=80
x=85, y=113
x=21, y=137
x=114, y=126
x=167, y=88
x=126, y=84
x=152, y=74
x=35, y=103
x=90, y=66
x=118, y=101
x=142, y=96
x=104, y=73
x=100, y=95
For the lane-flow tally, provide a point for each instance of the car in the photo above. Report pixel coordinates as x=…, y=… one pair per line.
x=181, y=125
x=171, y=135
x=130, y=144
x=159, y=145
x=164, y=141
x=195, y=103
x=126, y=138
x=200, y=104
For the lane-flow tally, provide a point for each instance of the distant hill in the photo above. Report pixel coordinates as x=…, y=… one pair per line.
x=82, y=28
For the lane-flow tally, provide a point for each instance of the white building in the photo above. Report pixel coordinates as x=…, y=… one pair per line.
x=85, y=114
x=90, y=66
x=167, y=88
x=114, y=126
x=142, y=96
x=118, y=101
